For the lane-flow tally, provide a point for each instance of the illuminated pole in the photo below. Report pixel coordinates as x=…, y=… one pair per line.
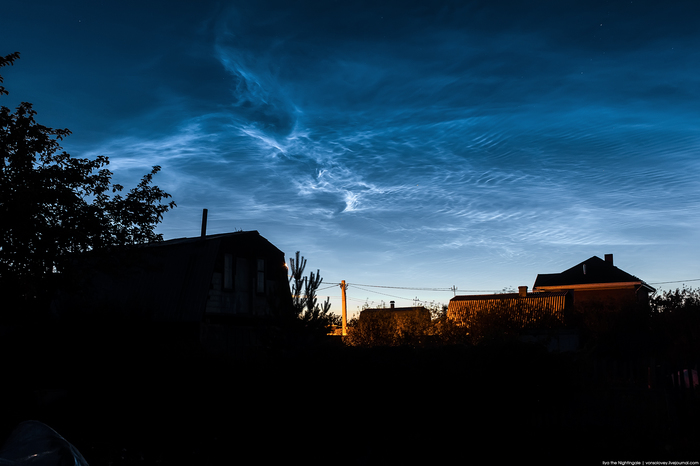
x=343, y=287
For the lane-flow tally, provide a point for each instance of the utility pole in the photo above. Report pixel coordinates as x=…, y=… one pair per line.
x=344, y=287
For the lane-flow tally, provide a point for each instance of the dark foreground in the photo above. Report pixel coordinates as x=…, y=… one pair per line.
x=121, y=397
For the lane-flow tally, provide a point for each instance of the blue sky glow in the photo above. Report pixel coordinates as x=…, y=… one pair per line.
x=406, y=144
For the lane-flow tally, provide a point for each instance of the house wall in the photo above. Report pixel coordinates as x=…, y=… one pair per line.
x=248, y=279
x=419, y=314
x=611, y=298
x=179, y=281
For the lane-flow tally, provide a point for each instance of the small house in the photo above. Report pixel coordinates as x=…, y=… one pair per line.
x=413, y=315
x=392, y=326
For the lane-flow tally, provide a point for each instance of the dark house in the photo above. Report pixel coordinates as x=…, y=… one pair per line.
x=399, y=315
x=186, y=280
x=596, y=282
x=223, y=285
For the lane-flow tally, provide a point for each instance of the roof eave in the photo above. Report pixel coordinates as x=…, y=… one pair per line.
x=595, y=286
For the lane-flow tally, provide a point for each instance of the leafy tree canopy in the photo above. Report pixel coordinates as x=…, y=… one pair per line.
x=53, y=206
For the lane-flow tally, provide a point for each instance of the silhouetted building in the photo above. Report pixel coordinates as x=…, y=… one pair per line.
x=597, y=282
x=594, y=284
x=413, y=315
x=226, y=284
x=525, y=308
x=392, y=326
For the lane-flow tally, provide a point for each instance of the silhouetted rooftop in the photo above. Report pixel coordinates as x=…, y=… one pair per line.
x=195, y=239
x=419, y=312
x=396, y=309
x=591, y=271
x=504, y=296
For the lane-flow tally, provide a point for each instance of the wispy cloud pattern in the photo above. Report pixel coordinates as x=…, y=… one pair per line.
x=428, y=133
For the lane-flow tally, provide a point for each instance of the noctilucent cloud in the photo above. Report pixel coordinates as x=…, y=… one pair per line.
x=411, y=145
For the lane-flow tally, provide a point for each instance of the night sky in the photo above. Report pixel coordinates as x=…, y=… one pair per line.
x=403, y=144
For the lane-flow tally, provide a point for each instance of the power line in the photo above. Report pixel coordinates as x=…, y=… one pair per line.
x=359, y=286
x=385, y=294
x=415, y=300
x=415, y=288
x=677, y=281
x=329, y=286
x=401, y=287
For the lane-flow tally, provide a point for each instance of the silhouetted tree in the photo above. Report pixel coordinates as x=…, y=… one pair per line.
x=425, y=325
x=297, y=280
x=7, y=60
x=446, y=331
x=385, y=328
x=671, y=301
x=53, y=206
x=675, y=319
x=304, y=296
x=504, y=321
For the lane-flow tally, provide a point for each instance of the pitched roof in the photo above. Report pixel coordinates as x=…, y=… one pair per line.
x=397, y=309
x=508, y=296
x=555, y=299
x=553, y=302
x=217, y=237
x=591, y=271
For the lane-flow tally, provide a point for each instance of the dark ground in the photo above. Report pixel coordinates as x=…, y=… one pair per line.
x=123, y=397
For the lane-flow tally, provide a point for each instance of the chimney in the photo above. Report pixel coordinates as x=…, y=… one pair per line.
x=391, y=304
x=522, y=291
x=609, y=259
x=204, y=222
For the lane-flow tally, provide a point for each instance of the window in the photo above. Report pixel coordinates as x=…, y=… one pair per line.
x=260, y=285
x=228, y=271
